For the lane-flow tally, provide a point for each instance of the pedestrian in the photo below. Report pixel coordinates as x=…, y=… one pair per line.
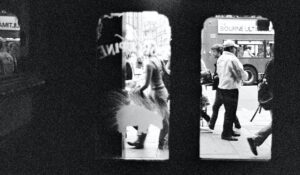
x=204, y=102
x=13, y=50
x=264, y=133
x=155, y=68
x=217, y=50
x=231, y=74
x=6, y=60
x=247, y=51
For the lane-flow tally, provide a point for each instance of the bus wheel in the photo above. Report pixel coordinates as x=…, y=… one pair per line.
x=252, y=75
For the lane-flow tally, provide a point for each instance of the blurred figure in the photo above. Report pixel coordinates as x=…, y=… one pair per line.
x=204, y=102
x=6, y=60
x=155, y=68
x=247, y=52
x=14, y=50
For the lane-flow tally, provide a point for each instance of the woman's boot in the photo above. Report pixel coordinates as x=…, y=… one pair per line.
x=163, y=134
x=139, y=143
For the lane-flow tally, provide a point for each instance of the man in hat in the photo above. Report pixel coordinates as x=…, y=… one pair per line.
x=217, y=50
x=231, y=74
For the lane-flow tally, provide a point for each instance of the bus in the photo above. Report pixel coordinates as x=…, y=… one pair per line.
x=256, y=47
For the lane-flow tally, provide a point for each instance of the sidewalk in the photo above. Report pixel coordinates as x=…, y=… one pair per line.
x=150, y=151
x=211, y=144
x=213, y=147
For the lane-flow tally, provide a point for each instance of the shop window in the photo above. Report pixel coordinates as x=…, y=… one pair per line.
x=139, y=44
x=254, y=49
x=9, y=44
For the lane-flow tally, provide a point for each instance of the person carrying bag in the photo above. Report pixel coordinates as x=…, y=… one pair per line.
x=265, y=91
x=265, y=99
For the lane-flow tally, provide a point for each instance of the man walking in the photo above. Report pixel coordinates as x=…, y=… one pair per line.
x=217, y=50
x=231, y=73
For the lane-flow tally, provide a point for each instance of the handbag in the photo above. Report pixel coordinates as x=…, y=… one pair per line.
x=215, y=82
x=265, y=95
x=206, y=78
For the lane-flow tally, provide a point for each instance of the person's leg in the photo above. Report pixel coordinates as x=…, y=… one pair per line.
x=163, y=133
x=204, y=115
x=260, y=136
x=216, y=106
x=237, y=123
x=139, y=143
x=230, y=103
x=161, y=98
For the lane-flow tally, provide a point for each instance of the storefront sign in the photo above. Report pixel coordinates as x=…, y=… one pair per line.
x=109, y=44
x=9, y=23
x=241, y=26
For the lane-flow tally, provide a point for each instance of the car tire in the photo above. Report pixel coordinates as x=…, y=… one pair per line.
x=252, y=75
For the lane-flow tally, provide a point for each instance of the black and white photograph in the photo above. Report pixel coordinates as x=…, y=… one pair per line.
x=149, y=87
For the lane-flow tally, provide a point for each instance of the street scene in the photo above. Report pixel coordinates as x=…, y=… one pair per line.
x=237, y=80
x=211, y=145
x=234, y=56
x=141, y=109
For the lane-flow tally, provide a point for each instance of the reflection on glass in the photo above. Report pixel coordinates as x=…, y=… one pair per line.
x=236, y=56
x=141, y=108
x=9, y=43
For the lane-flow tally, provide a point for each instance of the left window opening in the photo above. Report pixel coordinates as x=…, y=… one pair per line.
x=138, y=43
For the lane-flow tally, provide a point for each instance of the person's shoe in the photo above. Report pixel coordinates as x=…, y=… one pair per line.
x=237, y=126
x=252, y=145
x=210, y=126
x=136, y=144
x=160, y=147
x=229, y=138
x=139, y=144
x=161, y=144
x=235, y=134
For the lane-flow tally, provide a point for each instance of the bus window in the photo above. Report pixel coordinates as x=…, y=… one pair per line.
x=250, y=49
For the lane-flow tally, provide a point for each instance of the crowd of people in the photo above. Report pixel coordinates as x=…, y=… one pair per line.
x=227, y=79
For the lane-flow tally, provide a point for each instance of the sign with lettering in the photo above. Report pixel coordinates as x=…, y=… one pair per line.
x=109, y=43
x=241, y=26
x=9, y=23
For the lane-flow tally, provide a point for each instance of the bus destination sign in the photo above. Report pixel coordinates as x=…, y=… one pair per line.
x=241, y=26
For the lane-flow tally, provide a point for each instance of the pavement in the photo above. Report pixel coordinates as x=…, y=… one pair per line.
x=150, y=150
x=211, y=144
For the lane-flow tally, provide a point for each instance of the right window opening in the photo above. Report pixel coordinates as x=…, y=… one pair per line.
x=235, y=53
